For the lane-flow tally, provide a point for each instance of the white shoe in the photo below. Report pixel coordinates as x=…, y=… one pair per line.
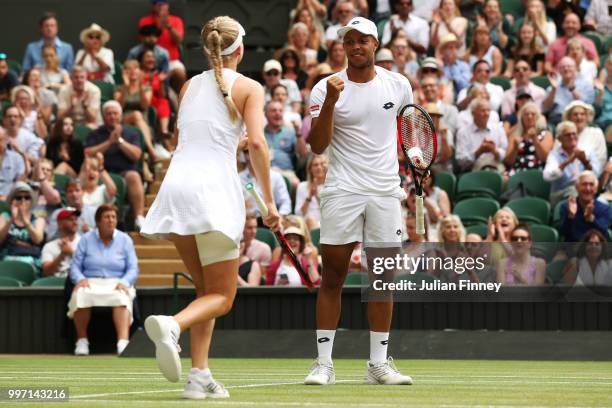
x=82, y=347
x=321, y=374
x=386, y=374
x=164, y=331
x=139, y=221
x=200, y=387
x=121, y=345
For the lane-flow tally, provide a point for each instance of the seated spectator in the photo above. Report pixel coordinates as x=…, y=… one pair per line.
x=32, y=120
x=495, y=23
x=52, y=75
x=587, y=70
x=436, y=200
x=255, y=249
x=445, y=143
x=22, y=141
x=336, y=56
x=557, y=10
x=307, y=202
x=74, y=199
x=585, y=212
x=272, y=71
x=482, y=75
x=135, y=97
x=566, y=161
x=148, y=36
x=33, y=53
x=12, y=166
x=384, y=58
x=104, y=270
x=426, y=9
x=98, y=186
x=279, y=188
x=22, y=234
x=598, y=17
x=480, y=145
x=292, y=67
x=590, y=138
x=510, y=121
x=603, y=101
x=298, y=40
x=305, y=13
x=98, y=61
x=529, y=142
x=284, y=144
x=57, y=254
x=535, y=14
x=249, y=271
x=527, y=49
x=413, y=237
x=521, y=267
x=465, y=118
x=558, y=49
x=42, y=182
x=290, y=118
x=415, y=28
x=404, y=59
x=121, y=149
x=80, y=99
x=282, y=272
x=499, y=229
x=44, y=99
x=456, y=70
x=448, y=20
x=171, y=35
x=521, y=84
x=310, y=250
x=344, y=11
x=591, y=266
x=8, y=79
x=561, y=93
x=451, y=234
x=64, y=149
x=482, y=49
x=430, y=92
x=155, y=79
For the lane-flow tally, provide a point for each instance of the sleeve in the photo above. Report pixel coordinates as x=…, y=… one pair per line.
x=95, y=97
x=28, y=59
x=281, y=195
x=76, y=266
x=461, y=154
x=108, y=57
x=552, y=171
x=34, y=146
x=506, y=107
x=48, y=254
x=63, y=98
x=131, y=267
x=406, y=90
x=300, y=196
x=19, y=167
x=596, y=165
x=177, y=23
x=132, y=53
x=550, y=53
x=293, y=91
x=317, y=97
x=424, y=35
x=131, y=136
x=69, y=60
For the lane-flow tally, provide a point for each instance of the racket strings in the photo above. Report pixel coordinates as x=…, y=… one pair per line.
x=417, y=136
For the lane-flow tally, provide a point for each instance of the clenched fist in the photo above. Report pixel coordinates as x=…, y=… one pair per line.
x=335, y=85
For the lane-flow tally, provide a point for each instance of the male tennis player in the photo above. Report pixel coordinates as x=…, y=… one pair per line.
x=354, y=120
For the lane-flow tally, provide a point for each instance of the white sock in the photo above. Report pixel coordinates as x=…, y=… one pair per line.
x=325, y=344
x=378, y=347
x=204, y=373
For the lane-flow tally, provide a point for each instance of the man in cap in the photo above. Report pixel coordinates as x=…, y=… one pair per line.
x=455, y=70
x=354, y=120
x=272, y=75
x=74, y=200
x=57, y=254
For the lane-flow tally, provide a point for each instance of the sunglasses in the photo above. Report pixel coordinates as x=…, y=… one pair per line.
x=22, y=197
x=521, y=69
x=94, y=37
x=273, y=73
x=519, y=238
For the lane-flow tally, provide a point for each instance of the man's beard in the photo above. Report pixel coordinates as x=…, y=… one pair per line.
x=368, y=63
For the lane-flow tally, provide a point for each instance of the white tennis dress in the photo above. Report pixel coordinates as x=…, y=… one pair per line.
x=201, y=191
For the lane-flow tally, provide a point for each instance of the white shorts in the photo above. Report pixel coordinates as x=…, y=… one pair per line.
x=215, y=246
x=349, y=217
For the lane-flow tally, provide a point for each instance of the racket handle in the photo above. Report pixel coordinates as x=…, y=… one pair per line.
x=420, y=217
x=263, y=208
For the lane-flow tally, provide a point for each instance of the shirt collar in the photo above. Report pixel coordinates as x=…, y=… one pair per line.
x=98, y=233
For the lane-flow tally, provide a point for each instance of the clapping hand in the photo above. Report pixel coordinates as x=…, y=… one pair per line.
x=572, y=207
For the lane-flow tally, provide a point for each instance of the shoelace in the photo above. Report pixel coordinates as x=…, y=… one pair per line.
x=318, y=368
x=385, y=368
x=215, y=387
x=175, y=340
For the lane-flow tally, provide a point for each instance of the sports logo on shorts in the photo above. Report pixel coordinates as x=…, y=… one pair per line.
x=323, y=340
x=384, y=342
x=388, y=105
x=398, y=232
x=355, y=22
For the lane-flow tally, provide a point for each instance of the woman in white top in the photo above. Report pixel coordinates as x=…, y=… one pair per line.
x=592, y=264
x=586, y=68
x=52, y=75
x=24, y=98
x=200, y=206
x=446, y=20
x=98, y=61
x=482, y=48
x=307, y=202
x=94, y=193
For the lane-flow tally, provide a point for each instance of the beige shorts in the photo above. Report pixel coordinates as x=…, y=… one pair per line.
x=215, y=246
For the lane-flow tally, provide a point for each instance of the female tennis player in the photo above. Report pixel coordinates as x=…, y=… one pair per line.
x=354, y=117
x=200, y=206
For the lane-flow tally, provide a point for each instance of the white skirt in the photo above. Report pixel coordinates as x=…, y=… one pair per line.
x=101, y=293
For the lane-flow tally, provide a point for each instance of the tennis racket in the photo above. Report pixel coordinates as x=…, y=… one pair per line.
x=419, y=142
x=263, y=209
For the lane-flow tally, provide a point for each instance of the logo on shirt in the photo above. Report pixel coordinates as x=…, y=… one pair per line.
x=388, y=105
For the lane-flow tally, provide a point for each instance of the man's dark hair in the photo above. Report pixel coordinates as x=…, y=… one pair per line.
x=48, y=15
x=480, y=61
x=149, y=29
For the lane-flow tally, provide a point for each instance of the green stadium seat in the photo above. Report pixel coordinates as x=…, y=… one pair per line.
x=380, y=27
x=556, y=218
x=356, y=278
x=554, y=272
x=480, y=229
x=315, y=235
x=14, y=66
x=106, y=90
x=533, y=180
x=118, y=75
x=501, y=81
x=9, y=283
x=120, y=184
x=476, y=210
x=4, y=207
x=513, y=7
x=543, y=233
x=81, y=132
x=597, y=40
x=447, y=182
x=49, y=281
x=60, y=181
x=541, y=81
x=480, y=184
x=531, y=209
x=605, y=49
x=21, y=271
x=152, y=118
x=267, y=236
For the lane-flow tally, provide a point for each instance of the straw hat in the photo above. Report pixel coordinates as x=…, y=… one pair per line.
x=579, y=104
x=94, y=28
x=447, y=39
x=384, y=54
